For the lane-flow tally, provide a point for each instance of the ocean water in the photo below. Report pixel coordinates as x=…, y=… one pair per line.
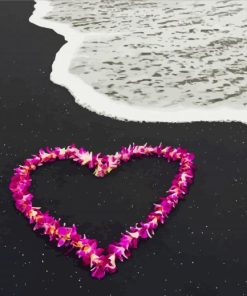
x=161, y=53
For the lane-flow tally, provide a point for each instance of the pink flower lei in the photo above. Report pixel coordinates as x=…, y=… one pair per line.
x=101, y=261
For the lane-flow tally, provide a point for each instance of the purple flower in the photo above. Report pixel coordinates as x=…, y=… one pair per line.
x=87, y=247
x=65, y=234
x=145, y=231
x=167, y=205
x=102, y=264
x=119, y=250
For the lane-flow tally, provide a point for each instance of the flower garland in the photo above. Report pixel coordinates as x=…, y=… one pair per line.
x=101, y=261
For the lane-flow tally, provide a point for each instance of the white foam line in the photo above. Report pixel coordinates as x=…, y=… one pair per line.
x=89, y=98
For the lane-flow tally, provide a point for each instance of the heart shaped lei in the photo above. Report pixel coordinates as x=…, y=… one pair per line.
x=101, y=261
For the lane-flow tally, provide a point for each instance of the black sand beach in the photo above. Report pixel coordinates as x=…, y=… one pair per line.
x=201, y=250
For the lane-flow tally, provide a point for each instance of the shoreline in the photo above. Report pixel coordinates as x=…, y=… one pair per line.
x=89, y=98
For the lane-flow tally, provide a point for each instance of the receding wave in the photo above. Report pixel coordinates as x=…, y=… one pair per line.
x=152, y=60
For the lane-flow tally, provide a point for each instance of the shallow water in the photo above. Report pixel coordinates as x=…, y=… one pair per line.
x=161, y=53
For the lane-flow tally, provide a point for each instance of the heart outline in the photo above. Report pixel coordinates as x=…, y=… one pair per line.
x=101, y=261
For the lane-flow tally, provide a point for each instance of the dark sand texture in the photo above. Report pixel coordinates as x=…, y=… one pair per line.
x=202, y=248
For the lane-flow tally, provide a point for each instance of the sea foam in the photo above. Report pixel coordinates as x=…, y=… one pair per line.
x=88, y=97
